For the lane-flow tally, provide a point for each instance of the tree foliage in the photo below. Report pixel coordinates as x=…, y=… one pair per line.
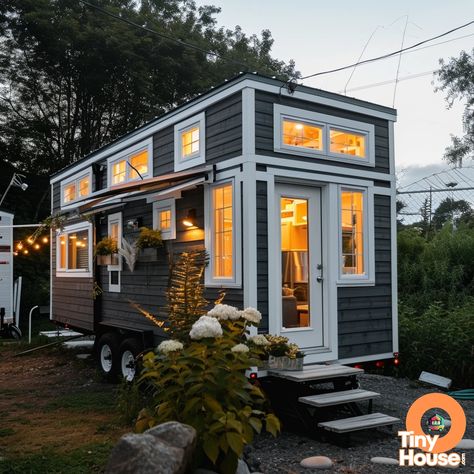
x=73, y=79
x=456, y=78
x=457, y=211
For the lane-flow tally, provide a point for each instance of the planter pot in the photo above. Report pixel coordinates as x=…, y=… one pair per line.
x=285, y=363
x=112, y=259
x=148, y=255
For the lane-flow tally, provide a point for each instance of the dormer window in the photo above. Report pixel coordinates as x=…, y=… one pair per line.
x=133, y=164
x=347, y=143
x=189, y=143
x=76, y=188
x=300, y=134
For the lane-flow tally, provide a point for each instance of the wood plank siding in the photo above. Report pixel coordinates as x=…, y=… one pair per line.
x=264, y=142
x=262, y=254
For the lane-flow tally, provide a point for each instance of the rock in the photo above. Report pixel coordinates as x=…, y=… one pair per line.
x=316, y=462
x=386, y=461
x=203, y=471
x=242, y=468
x=465, y=444
x=164, y=449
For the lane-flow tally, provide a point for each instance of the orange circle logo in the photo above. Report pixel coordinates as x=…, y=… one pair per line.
x=450, y=406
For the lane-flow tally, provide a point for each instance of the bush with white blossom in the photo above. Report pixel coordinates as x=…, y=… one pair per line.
x=203, y=383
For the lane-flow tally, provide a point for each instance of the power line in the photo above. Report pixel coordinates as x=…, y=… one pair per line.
x=393, y=53
x=163, y=35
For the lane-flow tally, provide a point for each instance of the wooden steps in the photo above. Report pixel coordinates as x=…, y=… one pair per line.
x=357, y=423
x=316, y=372
x=338, y=398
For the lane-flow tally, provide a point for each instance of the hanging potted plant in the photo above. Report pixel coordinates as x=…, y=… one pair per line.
x=148, y=243
x=106, y=251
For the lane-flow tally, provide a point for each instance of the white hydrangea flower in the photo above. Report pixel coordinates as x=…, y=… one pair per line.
x=205, y=326
x=259, y=340
x=170, y=346
x=224, y=312
x=252, y=315
x=240, y=348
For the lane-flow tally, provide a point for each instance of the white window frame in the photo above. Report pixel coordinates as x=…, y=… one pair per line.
x=75, y=179
x=115, y=218
x=368, y=279
x=326, y=122
x=236, y=280
x=125, y=155
x=180, y=162
x=74, y=273
x=163, y=205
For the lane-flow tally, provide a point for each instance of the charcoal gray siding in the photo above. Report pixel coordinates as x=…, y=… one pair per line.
x=262, y=254
x=264, y=143
x=56, y=202
x=365, y=313
x=148, y=283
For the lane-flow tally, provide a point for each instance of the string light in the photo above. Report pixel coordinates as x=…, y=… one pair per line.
x=25, y=252
x=37, y=246
x=19, y=246
x=45, y=240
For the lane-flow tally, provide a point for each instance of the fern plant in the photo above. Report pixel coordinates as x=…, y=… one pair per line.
x=186, y=302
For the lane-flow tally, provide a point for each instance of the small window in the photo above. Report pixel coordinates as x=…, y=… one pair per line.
x=134, y=164
x=189, y=143
x=74, y=251
x=352, y=235
x=164, y=218
x=347, y=143
x=301, y=134
x=114, y=224
x=223, y=232
x=78, y=187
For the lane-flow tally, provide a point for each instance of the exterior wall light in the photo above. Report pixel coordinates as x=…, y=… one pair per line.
x=190, y=220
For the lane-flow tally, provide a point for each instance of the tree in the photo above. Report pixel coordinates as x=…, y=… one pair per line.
x=73, y=79
x=457, y=78
x=451, y=210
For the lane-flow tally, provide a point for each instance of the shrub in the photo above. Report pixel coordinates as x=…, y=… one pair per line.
x=149, y=238
x=439, y=341
x=107, y=246
x=202, y=382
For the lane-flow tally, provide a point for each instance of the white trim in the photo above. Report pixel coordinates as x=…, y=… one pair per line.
x=326, y=123
x=75, y=179
x=368, y=358
x=188, y=110
x=51, y=286
x=394, y=272
x=163, y=205
x=248, y=122
x=391, y=147
x=115, y=218
x=125, y=155
x=64, y=272
x=236, y=280
x=368, y=279
x=180, y=162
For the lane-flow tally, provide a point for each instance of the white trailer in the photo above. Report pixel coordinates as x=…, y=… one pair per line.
x=6, y=264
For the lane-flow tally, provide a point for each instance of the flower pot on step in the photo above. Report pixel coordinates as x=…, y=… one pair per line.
x=285, y=363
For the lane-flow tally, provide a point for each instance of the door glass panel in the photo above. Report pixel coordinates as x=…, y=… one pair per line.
x=295, y=262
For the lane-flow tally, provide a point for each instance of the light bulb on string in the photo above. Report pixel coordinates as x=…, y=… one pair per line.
x=25, y=252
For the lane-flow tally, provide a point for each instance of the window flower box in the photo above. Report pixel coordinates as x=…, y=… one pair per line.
x=111, y=259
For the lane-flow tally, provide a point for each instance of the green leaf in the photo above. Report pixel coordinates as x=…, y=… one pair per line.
x=256, y=424
x=235, y=442
x=212, y=404
x=272, y=424
x=211, y=448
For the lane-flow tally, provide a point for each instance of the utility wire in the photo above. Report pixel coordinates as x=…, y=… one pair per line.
x=388, y=55
x=163, y=35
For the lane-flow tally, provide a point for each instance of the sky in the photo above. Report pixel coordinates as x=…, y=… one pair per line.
x=324, y=35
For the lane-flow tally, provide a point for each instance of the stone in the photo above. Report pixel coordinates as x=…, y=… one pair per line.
x=316, y=462
x=203, y=471
x=465, y=444
x=242, y=467
x=164, y=449
x=386, y=461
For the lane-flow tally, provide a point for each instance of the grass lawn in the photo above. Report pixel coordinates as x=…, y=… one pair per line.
x=57, y=415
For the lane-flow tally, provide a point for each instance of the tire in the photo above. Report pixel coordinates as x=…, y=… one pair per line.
x=14, y=332
x=129, y=350
x=107, y=352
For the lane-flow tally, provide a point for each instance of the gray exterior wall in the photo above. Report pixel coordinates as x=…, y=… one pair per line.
x=262, y=254
x=365, y=313
x=264, y=143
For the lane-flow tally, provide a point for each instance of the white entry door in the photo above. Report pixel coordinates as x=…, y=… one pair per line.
x=299, y=258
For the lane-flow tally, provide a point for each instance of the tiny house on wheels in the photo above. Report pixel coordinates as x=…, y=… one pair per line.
x=291, y=190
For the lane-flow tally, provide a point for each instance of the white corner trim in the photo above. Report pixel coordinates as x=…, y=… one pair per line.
x=248, y=122
x=182, y=163
x=394, y=272
x=163, y=205
x=326, y=123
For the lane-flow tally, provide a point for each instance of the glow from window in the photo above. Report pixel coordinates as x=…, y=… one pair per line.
x=190, y=142
x=352, y=223
x=165, y=219
x=347, y=143
x=301, y=134
x=140, y=162
x=119, y=172
x=223, y=238
x=62, y=251
x=84, y=187
x=73, y=252
x=69, y=192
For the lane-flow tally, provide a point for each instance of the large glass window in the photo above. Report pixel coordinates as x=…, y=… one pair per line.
x=352, y=234
x=73, y=251
x=140, y=163
x=76, y=188
x=119, y=172
x=301, y=134
x=126, y=169
x=69, y=192
x=222, y=232
x=347, y=143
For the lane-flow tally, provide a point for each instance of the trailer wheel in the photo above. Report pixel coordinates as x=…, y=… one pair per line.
x=129, y=350
x=107, y=355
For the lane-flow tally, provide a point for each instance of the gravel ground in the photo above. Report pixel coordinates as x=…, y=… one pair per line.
x=283, y=454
